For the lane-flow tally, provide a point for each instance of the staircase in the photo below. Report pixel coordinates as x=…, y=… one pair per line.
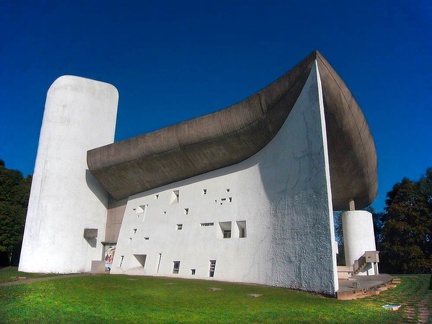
x=359, y=264
x=367, y=257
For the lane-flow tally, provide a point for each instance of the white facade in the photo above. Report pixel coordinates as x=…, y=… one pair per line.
x=80, y=114
x=275, y=208
x=267, y=219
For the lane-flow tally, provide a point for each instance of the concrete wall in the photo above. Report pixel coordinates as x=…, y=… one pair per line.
x=359, y=236
x=80, y=114
x=281, y=196
x=115, y=213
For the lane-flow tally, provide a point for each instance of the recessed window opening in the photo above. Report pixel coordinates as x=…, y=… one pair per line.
x=230, y=199
x=146, y=238
x=186, y=211
x=212, y=268
x=159, y=262
x=156, y=196
x=135, y=230
x=141, y=209
x=176, y=267
x=226, y=229
x=179, y=227
x=223, y=199
x=193, y=272
x=143, y=212
x=204, y=191
x=175, y=197
x=216, y=201
x=141, y=258
x=164, y=211
x=241, y=228
x=121, y=260
x=207, y=224
x=228, y=190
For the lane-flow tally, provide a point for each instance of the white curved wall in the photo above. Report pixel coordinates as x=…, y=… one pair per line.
x=282, y=194
x=80, y=114
x=358, y=233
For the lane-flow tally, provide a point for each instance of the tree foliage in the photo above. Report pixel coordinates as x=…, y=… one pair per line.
x=405, y=241
x=14, y=195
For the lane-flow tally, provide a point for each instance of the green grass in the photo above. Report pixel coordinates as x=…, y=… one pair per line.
x=127, y=299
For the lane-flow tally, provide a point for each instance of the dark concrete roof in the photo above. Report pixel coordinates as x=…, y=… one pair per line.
x=232, y=135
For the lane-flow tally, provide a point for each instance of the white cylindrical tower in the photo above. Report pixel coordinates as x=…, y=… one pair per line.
x=65, y=199
x=359, y=237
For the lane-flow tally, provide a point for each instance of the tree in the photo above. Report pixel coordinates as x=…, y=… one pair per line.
x=337, y=219
x=378, y=224
x=14, y=195
x=406, y=245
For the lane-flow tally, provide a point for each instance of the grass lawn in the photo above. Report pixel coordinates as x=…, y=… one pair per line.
x=9, y=274
x=128, y=299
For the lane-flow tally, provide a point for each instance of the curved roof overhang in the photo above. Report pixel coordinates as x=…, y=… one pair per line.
x=234, y=134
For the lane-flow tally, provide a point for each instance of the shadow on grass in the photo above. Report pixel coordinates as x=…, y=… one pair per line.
x=11, y=274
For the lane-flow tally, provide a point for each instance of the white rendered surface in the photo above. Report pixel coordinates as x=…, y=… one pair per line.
x=358, y=236
x=281, y=196
x=80, y=114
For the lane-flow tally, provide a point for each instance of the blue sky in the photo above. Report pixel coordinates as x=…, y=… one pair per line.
x=176, y=60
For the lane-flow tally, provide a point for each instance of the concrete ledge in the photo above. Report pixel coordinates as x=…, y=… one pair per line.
x=364, y=286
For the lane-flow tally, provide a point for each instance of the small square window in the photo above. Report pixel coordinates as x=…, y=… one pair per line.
x=141, y=258
x=140, y=209
x=179, y=227
x=212, y=268
x=241, y=228
x=204, y=191
x=207, y=224
x=176, y=267
x=193, y=272
x=186, y=211
x=175, y=197
x=225, y=229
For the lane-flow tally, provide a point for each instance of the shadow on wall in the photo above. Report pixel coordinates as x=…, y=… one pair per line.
x=92, y=241
x=97, y=189
x=231, y=169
